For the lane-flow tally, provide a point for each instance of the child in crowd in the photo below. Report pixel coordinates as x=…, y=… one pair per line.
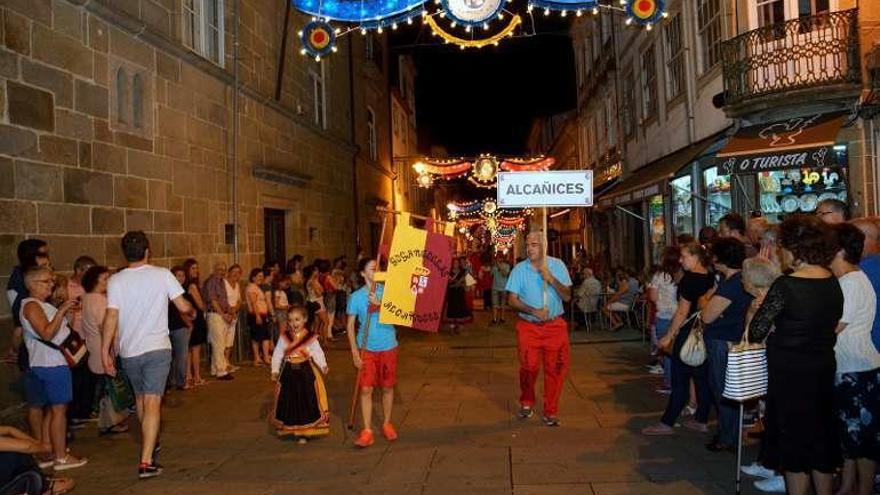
x=280, y=303
x=258, y=317
x=298, y=363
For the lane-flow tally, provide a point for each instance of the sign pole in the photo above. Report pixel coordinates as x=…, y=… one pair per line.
x=372, y=292
x=546, y=253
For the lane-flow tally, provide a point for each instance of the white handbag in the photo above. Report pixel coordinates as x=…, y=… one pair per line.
x=746, y=375
x=693, y=351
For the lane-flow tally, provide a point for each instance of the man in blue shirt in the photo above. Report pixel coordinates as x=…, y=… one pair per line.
x=375, y=359
x=537, y=286
x=870, y=264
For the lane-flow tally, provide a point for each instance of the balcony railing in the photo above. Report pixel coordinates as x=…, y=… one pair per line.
x=808, y=52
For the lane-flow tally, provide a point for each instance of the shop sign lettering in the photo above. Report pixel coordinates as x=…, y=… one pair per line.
x=545, y=188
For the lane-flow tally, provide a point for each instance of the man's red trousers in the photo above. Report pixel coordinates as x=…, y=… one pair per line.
x=547, y=341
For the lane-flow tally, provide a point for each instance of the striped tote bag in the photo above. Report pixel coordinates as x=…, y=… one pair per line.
x=746, y=375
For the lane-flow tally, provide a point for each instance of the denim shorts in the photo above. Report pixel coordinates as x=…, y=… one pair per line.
x=48, y=386
x=148, y=372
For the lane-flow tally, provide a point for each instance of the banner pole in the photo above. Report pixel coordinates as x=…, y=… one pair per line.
x=362, y=350
x=546, y=249
x=383, y=209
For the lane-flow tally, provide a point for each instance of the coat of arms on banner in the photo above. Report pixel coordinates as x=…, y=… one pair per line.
x=415, y=280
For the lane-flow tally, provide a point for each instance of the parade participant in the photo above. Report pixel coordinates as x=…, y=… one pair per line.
x=373, y=351
x=301, y=407
x=537, y=287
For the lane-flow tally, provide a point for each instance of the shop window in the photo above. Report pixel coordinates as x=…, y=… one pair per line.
x=786, y=192
x=657, y=224
x=718, y=195
x=682, y=205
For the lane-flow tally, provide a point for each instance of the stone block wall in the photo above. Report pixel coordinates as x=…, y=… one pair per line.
x=77, y=175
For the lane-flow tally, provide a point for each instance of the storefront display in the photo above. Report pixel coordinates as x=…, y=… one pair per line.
x=785, y=192
x=718, y=195
x=682, y=205
x=657, y=225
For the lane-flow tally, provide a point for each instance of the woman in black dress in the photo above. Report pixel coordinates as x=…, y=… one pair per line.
x=457, y=312
x=798, y=318
x=199, y=336
x=694, y=284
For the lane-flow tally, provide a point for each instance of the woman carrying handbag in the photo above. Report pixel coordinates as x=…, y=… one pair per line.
x=694, y=285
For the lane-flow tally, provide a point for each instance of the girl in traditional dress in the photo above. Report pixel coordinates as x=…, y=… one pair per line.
x=298, y=366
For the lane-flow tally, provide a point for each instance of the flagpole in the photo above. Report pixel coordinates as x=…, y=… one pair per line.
x=389, y=211
x=371, y=293
x=546, y=249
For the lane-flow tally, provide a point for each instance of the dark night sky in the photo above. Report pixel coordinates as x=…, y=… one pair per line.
x=476, y=101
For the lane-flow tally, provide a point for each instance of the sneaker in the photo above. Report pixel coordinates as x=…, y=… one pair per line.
x=525, y=412
x=663, y=390
x=149, y=470
x=550, y=420
x=655, y=369
x=658, y=429
x=45, y=462
x=758, y=471
x=690, y=410
x=69, y=462
x=389, y=432
x=365, y=439
x=694, y=425
x=775, y=484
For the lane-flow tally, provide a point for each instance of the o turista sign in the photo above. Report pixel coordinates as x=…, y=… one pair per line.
x=545, y=188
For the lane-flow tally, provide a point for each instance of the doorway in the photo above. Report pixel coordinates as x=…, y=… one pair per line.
x=274, y=235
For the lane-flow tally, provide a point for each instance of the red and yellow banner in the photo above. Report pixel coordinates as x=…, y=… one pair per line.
x=416, y=278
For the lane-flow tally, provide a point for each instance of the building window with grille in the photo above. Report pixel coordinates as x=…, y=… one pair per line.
x=709, y=33
x=649, y=84
x=202, y=25
x=137, y=101
x=372, y=143
x=121, y=96
x=319, y=96
x=675, y=57
x=770, y=12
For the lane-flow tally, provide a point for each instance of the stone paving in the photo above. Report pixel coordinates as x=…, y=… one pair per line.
x=455, y=411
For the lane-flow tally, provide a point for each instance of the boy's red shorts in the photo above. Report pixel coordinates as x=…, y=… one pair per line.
x=379, y=368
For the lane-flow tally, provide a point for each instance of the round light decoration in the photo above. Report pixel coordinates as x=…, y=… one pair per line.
x=425, y=180
x=489, y=207
x=484, y=172
x=645, y=12
x=318, y=39
x=472, y=12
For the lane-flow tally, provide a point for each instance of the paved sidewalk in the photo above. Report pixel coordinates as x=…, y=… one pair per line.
x=455, y=413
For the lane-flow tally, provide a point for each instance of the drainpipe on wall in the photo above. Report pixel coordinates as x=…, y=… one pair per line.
x=235, y=248
x=354, y=155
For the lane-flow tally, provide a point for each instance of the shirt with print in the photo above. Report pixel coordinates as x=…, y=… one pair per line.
x=526, y=282
x=141, y=296
x=382, y=337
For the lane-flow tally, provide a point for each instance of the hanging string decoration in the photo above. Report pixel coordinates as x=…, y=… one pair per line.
x=481, y=172
x=318, y=39
x=463, y=43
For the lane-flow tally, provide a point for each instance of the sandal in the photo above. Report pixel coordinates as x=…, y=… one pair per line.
x=59, y=486
x=113, y=430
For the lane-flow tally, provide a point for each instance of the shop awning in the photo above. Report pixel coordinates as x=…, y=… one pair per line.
x=651, y=179
x=791, y=143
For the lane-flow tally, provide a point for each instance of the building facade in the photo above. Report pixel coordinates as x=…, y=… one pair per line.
x=404, y=139
x=121, y=115
x=661, y=110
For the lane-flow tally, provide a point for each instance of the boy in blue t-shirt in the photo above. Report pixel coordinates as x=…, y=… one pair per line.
x=376, y=359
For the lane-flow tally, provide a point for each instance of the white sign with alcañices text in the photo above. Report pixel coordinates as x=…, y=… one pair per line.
x=545, y=188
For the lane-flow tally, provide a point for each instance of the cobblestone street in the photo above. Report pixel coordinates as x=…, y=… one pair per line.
x=458, y=432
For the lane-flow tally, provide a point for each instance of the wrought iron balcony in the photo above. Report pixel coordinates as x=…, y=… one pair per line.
x=808, y=52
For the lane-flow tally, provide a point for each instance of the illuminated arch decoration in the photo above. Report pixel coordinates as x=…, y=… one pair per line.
x=481, y=172
x=318, y=39
x=356, y=11
x=473, y=12
x=578, y=6
x=644, y=12
x=463, y=43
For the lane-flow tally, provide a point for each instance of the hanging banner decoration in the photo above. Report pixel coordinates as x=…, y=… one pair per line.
x=416, y=278
x=318, y=39
x=545, y=188
x=484, y=171
x=472, y=12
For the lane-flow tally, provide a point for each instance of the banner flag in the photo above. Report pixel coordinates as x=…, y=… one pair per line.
x=416, y=277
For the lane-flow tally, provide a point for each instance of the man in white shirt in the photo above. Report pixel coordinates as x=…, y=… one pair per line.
x=137, y=318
